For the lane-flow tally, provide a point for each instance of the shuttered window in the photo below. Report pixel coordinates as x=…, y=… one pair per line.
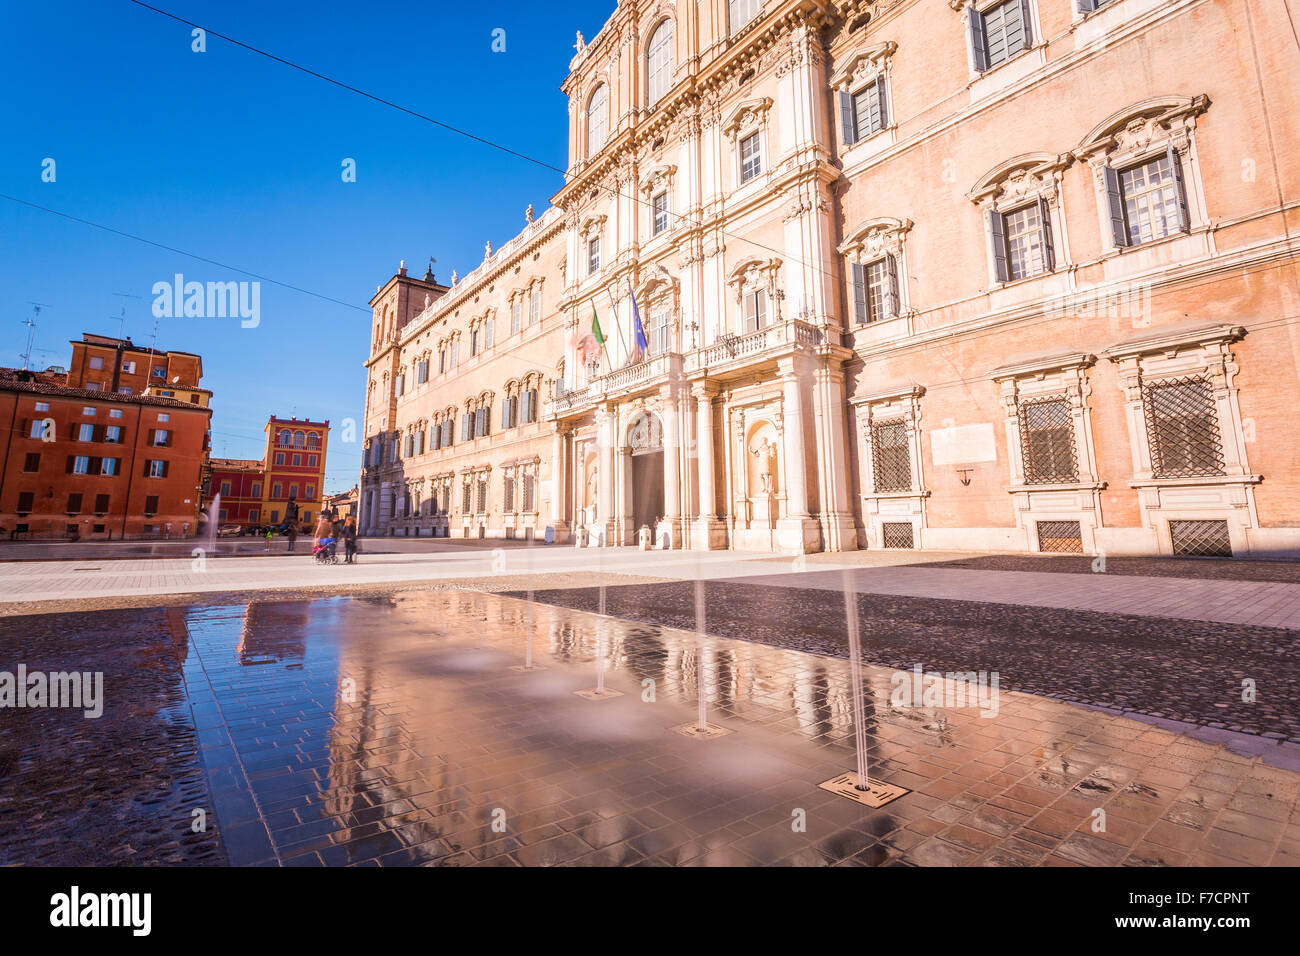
x=596, y=125
x=1147, y=201
x=875, y=290
x=755, y=314
x=999, y=33
x=659, y=62
x=864, y=113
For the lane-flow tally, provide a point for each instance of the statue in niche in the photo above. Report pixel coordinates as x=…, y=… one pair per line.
x=765, y=452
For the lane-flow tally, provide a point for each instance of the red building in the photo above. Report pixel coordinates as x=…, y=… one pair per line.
x=238, y=481
x=260, y=491
x=94, y=463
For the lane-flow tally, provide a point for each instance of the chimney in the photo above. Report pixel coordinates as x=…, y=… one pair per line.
x=401, y=269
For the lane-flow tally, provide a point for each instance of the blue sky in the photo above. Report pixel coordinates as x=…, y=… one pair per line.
x=233, y=157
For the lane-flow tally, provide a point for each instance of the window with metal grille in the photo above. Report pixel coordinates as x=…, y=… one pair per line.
x=751, y=159
x=481, y=498
x=1047, y=441
x=1182, y=428
x=897, y=534
x=1152, y=199
x=1206, y=539
x=891, y=458
x=508, y=500
x=1060, y=537
x=465, y=505
x=528, y=492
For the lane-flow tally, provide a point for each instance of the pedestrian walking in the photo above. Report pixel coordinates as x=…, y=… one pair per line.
x=350, y=540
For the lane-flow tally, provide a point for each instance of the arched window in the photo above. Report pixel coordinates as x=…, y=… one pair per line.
x=299, y=439
x=659, y=61
x=285, y=439
x=596, y=115
x=313, y=440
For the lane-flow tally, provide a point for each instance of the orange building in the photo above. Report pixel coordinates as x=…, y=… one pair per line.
x=106, y=364
x=93, y=463
x=294, y=469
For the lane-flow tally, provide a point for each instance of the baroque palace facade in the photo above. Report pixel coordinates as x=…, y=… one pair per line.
x=967, y=274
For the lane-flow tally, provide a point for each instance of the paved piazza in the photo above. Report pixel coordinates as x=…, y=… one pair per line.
x=401, y=727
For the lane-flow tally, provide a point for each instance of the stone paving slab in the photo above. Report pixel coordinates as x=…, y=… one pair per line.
x=390, y=731
x=25, y=585
x=1188, y=672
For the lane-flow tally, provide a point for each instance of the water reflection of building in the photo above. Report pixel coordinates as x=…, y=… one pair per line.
x=273, y=631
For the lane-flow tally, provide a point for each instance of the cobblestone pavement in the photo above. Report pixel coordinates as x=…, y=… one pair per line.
x=402, y=729
x=117, y=789
x=1181, y=670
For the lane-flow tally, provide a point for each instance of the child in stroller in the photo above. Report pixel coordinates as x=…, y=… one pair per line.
x=324, y=551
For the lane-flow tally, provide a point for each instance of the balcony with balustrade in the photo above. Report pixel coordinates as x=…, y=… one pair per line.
x=729, y=357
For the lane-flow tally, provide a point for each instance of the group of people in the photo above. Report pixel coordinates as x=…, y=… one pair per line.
x=331, y=529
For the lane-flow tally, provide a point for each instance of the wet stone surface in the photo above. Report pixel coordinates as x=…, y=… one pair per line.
x=1218, y=569
x=119, y=789
x=1182, y=670
x=400, y=730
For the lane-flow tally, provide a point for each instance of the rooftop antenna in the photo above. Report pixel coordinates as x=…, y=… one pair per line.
x=121, y=322
x=31, y=332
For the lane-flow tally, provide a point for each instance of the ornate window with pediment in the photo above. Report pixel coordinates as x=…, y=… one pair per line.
x=997, y=30
x=754, y=282
x=1021, y=204
x=876, y=269
x=747, y=130
x=656, y=186
x=861, y=90
x=1145, y=170
x=657, y=299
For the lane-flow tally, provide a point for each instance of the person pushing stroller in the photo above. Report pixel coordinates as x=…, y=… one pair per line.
x=323, y=538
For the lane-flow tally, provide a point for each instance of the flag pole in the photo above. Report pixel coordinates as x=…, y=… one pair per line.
x=613, y=304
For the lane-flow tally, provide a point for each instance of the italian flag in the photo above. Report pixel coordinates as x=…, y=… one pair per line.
x=595, y=326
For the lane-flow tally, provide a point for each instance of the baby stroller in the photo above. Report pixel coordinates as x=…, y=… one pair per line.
x=325, y=553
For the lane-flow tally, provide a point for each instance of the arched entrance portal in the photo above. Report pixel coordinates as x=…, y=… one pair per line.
x=646, y=491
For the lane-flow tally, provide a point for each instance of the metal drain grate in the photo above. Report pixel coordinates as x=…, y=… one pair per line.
x=1060, y=537
x=1205, y=539
x=898, y=534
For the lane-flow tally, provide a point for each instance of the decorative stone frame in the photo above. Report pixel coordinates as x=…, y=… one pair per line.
x=658, y=288
x=1177, y=353
x=1058, y=376
x=755, y=273
x=1139, y=133
x=870, y=242
x=750, y=116
x=1014, y=184
x=659, y=178
x=879, y=507
x=861, y=69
